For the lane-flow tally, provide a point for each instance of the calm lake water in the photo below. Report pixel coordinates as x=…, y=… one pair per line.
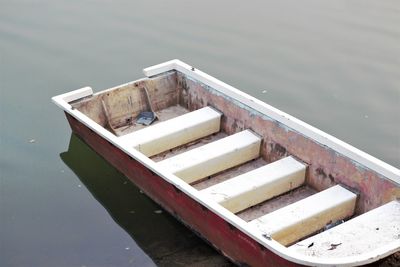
x=333, y=64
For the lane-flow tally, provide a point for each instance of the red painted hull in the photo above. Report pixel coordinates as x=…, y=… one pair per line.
x=232, y=242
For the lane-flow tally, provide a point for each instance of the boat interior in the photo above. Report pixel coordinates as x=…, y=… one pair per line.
x=298, y=192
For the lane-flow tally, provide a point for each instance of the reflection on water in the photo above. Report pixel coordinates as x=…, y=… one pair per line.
x=166, y=241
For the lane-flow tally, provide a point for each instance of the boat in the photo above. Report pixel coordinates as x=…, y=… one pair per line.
x=259, y=185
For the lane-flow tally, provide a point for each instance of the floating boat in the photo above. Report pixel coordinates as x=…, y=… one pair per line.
x=261, y=186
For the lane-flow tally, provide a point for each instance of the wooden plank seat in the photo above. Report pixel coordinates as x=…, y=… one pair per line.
x=371, y=231
x=174, y=132
x=302, y=218
x=256, y=186
x=214, y=157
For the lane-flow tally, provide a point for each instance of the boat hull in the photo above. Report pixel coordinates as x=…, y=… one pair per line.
x=229, y=240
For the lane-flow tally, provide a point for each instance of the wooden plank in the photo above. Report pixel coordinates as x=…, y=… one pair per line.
x=174, y=132
x=307, y=216
x=256, y=186
x=214, y=157
x=368, y=232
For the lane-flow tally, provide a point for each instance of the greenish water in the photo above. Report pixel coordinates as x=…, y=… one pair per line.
x=333, y=64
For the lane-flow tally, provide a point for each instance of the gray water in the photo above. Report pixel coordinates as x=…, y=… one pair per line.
x=333, y=64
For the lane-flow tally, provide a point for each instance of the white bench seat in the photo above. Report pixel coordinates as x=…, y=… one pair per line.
x=256, y=186
x=175, y=132
x=377, y=229
x=302, y=218
x=214, y=157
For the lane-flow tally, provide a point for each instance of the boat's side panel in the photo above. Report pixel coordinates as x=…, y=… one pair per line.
x=326, y=167
x=231, y=241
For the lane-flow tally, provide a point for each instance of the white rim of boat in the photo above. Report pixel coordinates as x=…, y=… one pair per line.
x=358, y=156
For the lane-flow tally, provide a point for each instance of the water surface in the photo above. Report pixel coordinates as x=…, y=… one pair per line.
x=333, y=64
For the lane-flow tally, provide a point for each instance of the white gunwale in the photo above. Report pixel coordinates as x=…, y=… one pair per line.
x=363, y=158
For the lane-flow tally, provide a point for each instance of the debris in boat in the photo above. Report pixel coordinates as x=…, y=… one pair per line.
x=127, y=248
x=129, y=123
x=267, y=236
x=331, y=225
x=313, y=253
x=334, y=246
x=32, y=141
x=146, y=118
x=158, y=211
x=312, y=244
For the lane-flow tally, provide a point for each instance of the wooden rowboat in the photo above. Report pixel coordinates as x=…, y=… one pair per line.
x=261, y=186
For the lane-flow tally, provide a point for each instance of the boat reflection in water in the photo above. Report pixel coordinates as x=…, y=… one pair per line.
x=162, y=237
